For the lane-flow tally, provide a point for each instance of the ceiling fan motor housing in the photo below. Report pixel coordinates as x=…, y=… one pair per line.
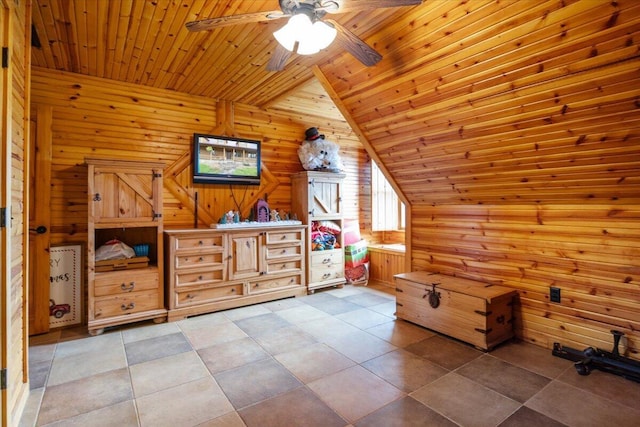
x=314, y=9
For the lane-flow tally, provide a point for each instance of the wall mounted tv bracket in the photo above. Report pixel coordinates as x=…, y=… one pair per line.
x=595, y=358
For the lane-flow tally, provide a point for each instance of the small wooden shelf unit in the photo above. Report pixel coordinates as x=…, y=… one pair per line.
x=317, y=197
x=125, y=203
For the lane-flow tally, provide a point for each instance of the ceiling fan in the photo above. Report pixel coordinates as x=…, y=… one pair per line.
x=307, y=31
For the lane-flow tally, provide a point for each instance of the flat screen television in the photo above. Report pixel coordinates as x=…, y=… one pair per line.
x=225, y=160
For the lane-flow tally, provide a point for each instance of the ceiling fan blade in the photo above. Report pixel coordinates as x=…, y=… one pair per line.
x=358, y=5
x=225, y=21
x=355, y=45
x=278, y=58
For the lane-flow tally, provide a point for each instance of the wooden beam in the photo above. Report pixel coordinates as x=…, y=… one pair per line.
x=372, y=153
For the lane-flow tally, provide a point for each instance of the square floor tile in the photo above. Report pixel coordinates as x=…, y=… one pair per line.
x=527, y=417
x=314, y=361
x=344, y=391
x=577, y=407
x=444, y=351
x=302, y=313
x=232, y=354
x=299, y=407
x=83, y=360
x=257, y=325
x=405, y=412
x=284, y=339
x=156, y=348
x=605, y=384
x=166, y=372
x=77, y=397
x=405, y=370
x=204, y=336
x=188, y=404
x=505, y=378
x=400, y=333
x=359, y=346
x=532, y=357
x=120, y=414
x=466, y=402
x=255, y=382
x=363, y=318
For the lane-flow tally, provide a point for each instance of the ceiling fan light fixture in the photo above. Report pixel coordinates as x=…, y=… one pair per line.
x=311, y=37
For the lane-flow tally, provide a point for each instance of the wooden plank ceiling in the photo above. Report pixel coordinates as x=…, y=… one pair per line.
x=478, y=101
x=146, y=42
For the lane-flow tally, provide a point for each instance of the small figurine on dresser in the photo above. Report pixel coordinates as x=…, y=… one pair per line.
x=318, y=154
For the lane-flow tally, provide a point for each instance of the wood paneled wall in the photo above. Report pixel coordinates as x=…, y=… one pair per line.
x=101, y=117
x=513, y=128
x=589, y=252
x=15, y=87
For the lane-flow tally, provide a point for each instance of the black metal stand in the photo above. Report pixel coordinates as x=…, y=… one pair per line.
x=595, y=358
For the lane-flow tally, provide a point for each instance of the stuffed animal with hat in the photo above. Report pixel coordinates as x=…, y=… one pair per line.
x=318, y=154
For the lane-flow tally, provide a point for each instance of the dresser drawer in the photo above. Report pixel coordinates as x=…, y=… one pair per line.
x=283, y=236
x=127, y=303
x=324, y=272
x=123, y=282
x=210, y=242
x=199, y=260
x=323, y=258
x=284, y=266
x=196, y=277
x=203, y=295
x=273, y=252
x=268, y=285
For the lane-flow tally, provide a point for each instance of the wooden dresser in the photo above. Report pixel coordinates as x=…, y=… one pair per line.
x=215, y=269
x=125, y=203
x=475, y=312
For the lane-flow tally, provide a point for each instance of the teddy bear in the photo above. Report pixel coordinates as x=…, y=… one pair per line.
x=318, y=154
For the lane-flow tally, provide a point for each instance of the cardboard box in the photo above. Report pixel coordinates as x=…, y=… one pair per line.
x=356, y=254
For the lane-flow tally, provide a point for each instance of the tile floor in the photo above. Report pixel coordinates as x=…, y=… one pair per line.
x=335, y=358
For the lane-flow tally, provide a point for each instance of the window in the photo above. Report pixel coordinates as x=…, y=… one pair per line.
x=387, y=211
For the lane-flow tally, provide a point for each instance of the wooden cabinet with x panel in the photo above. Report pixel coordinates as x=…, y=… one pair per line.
x=125, y=204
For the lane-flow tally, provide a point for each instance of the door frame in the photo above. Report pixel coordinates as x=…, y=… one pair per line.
x=5, y=203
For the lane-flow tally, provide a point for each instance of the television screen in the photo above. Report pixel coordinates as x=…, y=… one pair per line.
x=225, y=160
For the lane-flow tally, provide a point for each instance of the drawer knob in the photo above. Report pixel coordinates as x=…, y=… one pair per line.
x=326, y=275
x=284, y=251
x=189, y=296
x=326, y=260
x=200, y=259
x=200, y=243
x=129, y=287
x=129, y=306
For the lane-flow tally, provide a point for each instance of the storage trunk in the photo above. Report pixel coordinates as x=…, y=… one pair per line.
x=471, y=311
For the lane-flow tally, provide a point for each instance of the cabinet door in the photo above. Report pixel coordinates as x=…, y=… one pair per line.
x=124, y=194
x=246, y=255
x=325, y=198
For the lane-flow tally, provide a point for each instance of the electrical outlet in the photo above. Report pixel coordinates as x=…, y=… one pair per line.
x=554, y=294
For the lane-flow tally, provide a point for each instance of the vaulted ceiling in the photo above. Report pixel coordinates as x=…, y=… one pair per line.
x=146, y=42
x=474, y=101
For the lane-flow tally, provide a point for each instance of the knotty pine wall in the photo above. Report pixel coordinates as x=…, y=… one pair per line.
x=94, y=117
x=15, y=86
x=513, y=128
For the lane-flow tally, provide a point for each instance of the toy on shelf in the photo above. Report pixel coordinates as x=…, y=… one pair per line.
x=318, y=154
